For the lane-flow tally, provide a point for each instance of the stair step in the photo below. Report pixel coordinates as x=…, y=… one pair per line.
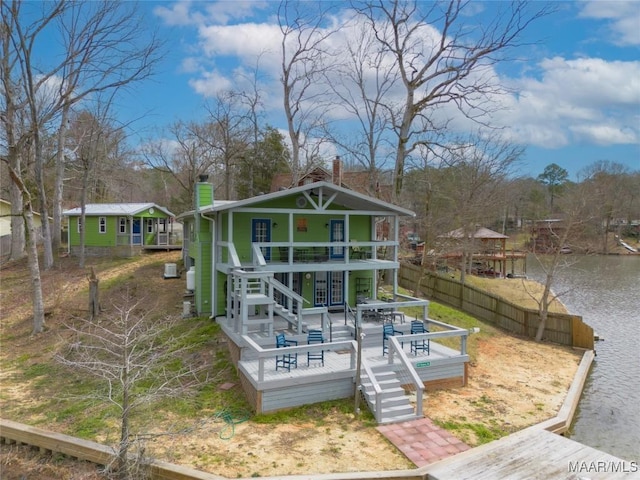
x=399, y=418
x=396, y=410
x=395, y=402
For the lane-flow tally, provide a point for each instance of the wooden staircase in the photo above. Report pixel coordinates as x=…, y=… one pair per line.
x=394, y=402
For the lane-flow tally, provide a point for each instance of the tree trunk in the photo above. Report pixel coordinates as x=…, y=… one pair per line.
x=56, y=240
x=42, y=193
x=94, y=303
x=32, y=253
x=544, y=308
x=18, y=243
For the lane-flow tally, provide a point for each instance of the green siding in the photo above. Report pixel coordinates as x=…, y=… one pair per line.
x=93, y=237
x=202, y=257
x=204, y=194
x=317, y=231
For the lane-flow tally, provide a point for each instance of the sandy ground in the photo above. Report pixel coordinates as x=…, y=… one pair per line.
x=514, y=383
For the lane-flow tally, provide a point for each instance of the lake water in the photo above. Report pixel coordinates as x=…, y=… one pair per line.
x=605, y=291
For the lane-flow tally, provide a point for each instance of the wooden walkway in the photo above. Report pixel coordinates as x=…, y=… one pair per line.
x=532, y=454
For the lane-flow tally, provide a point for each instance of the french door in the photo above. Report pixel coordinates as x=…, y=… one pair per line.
x=328, y=289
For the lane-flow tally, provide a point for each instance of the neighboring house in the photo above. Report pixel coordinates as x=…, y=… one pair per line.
x=546, y=234
x=121, y=229
x=485, y=252
x=5, y=227
x=282, y=268
x=358, y=181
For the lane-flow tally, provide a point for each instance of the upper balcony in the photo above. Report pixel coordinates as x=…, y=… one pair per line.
x=310, y=256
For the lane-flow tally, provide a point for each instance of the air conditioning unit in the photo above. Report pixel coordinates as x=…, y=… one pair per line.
x=170, y=270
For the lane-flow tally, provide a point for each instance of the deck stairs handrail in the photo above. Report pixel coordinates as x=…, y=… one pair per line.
x=382, y=388
x=407, y=371
x=349, y=315
x=291, y=299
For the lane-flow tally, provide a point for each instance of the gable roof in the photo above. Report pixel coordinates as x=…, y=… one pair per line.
x=315, y=191
x=108, y=209
x=481, y=232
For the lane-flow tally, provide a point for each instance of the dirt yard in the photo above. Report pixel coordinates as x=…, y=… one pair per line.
x=513, y=383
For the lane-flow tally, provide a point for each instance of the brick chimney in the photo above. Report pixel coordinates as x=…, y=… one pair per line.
x=337, y=171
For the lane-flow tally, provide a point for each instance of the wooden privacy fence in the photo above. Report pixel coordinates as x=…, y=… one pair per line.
x=564, y=329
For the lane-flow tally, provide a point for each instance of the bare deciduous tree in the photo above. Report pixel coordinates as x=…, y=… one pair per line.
x=363, y=83
x=442, y=62
x=185, y=156
x=228, y=134
x=575, y=209
x=303, y=64
x=102, y=51
x=140, y=359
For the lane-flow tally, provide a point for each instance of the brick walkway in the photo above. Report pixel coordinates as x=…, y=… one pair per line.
x=422, y=441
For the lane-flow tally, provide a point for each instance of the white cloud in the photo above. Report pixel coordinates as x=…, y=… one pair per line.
x=185, y=12
x=178, y=14
x=589, y=100
x=245, y=41
x=211, y=83
x=586, y=100
x=602, y=134
x=624, y=17
x=226, y=11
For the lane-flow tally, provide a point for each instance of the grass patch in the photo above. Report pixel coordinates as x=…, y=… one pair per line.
x=473, y=433
x=449, y=315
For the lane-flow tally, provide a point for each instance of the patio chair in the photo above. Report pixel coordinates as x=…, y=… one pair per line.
x=388, y=331
x=315, y=336
x=419, y=345
x=286, y=360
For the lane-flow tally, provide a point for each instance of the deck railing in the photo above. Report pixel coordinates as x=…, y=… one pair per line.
x=269, y=354
x=406, y=370
x=377, y=391
x=319, y=252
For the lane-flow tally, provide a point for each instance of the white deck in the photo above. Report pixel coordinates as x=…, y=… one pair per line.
x=339, y=356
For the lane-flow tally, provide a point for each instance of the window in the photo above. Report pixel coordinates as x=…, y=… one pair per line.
x=79, y=224
x=122, y=225
x=102, y=224
x=149, y=225
x=162, y=225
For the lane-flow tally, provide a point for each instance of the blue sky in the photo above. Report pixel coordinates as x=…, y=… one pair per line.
x=575, y=92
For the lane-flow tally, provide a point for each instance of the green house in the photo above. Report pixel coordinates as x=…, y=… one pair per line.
x=121, y=229
x=320, y=245
x=292, y=279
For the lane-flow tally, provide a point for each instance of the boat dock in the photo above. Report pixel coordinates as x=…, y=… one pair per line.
x=533, y=453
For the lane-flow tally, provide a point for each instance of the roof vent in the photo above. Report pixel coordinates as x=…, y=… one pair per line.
x=203, y=178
